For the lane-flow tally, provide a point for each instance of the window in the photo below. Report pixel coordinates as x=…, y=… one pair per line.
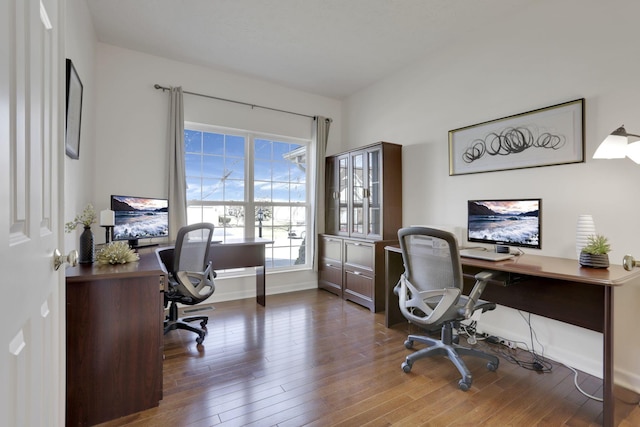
x=250, y=185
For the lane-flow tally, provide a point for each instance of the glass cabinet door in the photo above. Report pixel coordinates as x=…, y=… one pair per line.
x=331, y=196
x=343, y=194
x=357, y=193
x=374, y=226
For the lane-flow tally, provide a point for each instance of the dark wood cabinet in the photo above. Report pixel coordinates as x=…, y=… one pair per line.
x=364, y=192
x=363, y=214
x=114, y=340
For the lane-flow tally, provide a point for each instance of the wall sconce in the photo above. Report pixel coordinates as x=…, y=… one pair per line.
x=616, y=146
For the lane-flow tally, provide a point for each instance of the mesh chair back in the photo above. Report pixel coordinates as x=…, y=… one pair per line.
x=431, y=258
x=192, y=247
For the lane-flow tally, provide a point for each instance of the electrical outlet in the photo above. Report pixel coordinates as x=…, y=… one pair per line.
x=507, y=343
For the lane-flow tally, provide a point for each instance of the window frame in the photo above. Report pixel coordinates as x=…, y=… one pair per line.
x=250, y=228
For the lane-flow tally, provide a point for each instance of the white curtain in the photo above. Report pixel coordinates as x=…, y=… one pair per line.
x=320, y=137
x=177, y=180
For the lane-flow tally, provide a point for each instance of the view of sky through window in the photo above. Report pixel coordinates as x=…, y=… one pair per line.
x=219, y=167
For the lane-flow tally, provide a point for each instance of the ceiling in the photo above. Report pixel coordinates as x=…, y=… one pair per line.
x=332, y=48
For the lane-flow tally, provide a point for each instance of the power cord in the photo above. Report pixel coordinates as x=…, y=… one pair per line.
x=575, y=381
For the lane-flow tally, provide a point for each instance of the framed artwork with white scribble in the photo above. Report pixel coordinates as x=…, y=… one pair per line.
x=547, y=136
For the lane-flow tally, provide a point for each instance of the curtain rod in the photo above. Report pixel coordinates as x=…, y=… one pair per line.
x=157, y=86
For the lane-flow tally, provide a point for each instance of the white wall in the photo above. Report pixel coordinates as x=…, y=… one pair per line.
x=132, y=125
x=80, y=41
x=550, y=53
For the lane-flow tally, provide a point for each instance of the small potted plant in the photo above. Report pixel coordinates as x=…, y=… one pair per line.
x=595, y=254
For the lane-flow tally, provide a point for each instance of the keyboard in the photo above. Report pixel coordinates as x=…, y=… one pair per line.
x=485, y=255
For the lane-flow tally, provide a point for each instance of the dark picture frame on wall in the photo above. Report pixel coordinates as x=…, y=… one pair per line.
x=74, y=112
x=547, y=136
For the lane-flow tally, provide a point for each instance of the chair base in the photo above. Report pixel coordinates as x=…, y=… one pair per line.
x=446, y=347
x=172, y=322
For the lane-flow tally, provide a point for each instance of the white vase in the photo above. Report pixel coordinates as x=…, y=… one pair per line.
x=585, y=227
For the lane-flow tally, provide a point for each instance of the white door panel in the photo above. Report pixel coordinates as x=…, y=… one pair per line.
x=31, y=123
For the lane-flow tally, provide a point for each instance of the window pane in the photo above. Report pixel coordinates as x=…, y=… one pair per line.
x=212, y=167
x=193, y=164
x=262, y=149
x=298, y=173
x=234, y=168
x=280, y=150
x=262, y=191
x=234, y=190
x=211, y=190
x=281, y=192
x=213, y=143
x=194, y=188
x=262, y=170
x=192, y=141
x=234, y=146
x=298, y=193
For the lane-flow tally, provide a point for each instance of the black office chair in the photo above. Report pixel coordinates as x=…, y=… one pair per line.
x=190, y=276
x=430, y=295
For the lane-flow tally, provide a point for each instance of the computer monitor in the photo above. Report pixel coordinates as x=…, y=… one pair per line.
x=139, y=218
x=512, y=222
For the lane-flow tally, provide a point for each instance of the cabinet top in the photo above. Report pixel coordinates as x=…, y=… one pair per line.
x=365, y=147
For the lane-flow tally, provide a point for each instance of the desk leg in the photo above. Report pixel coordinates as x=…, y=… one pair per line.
x=260, y=286
x=608, y=404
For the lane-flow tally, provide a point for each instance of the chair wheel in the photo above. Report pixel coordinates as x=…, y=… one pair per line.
x=406, y=367
x=203, y=324
x=492, y=366
x=463, y=385
x=408, y=344
x=199, y=340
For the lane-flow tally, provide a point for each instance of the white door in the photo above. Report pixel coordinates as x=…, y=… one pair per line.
x=31, y=164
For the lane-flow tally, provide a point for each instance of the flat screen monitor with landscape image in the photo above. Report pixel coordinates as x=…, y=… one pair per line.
x=513, y=222
x=140, y=218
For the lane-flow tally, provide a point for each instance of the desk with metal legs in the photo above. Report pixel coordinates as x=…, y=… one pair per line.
x=242, y=253
x=238, y=253
x=557, y=288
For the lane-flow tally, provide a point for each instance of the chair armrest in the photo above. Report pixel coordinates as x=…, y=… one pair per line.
x=482, y=279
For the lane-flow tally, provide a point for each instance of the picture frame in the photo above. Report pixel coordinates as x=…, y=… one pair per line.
x=547, y=136
x=73, y=112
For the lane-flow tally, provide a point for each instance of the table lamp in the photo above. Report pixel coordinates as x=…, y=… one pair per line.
x=107, y=220
x=617, y=146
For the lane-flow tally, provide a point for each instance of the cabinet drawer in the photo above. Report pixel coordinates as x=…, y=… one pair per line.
x=332, y=249
x=359, y=254
x=359, y=287
x=330, y=272
x=330, y=276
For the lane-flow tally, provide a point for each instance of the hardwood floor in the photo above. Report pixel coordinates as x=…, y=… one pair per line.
x=312, y=359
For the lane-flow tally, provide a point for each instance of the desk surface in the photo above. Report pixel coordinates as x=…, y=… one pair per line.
x=553, y=268
x=148, y=264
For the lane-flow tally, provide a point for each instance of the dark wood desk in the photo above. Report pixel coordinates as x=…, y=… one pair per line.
x=114, y=332
x=114, y=339
x=557, y=288
x=238, y=253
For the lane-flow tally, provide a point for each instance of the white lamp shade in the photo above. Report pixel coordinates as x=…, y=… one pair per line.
x=585, y=227
x=633, y=151
x=613, y=147
x=107, y=218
